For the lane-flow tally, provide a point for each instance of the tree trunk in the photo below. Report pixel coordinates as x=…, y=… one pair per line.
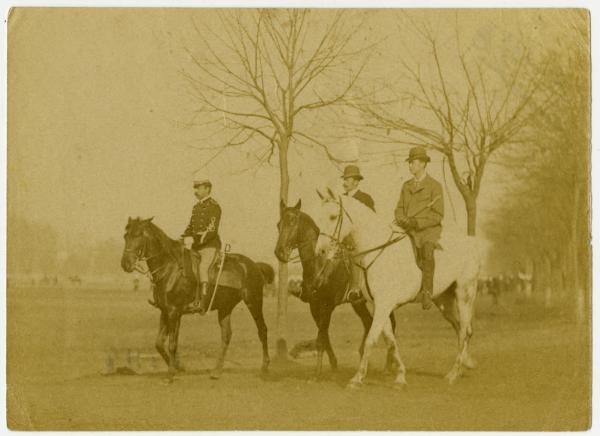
x=282, y=295
x=471, y=204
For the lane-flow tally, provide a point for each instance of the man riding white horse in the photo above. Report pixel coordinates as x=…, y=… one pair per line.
x=202, y=238
x=419, y=212
x=352, y=178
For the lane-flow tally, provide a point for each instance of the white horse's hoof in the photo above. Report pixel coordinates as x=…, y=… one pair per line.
x=452, y=376
x=399, y=386
x=470, y=363
x=353, y=385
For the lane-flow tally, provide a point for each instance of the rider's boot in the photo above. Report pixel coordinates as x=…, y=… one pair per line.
x=205, y=298
x=354, y=294
x=428, y=267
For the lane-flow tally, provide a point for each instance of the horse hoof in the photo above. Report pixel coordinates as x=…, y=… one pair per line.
x=470, y=363
x=215, y=374
x=451, y=377
x=354, y=385
x=399, y=386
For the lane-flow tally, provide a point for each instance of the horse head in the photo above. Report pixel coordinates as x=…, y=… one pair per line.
x=136, y=242
x=288, y=227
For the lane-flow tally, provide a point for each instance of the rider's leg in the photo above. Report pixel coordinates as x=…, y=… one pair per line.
x=428, y=267
x=356, y=282
x=207, y=257
x=195, y=262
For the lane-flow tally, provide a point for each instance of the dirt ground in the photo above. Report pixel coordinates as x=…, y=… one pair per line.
x=533, y=374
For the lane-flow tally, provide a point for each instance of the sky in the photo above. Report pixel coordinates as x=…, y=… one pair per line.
x=97, y=112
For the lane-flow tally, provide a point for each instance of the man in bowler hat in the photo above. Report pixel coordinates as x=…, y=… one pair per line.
x=419, y=212
x=352, y=178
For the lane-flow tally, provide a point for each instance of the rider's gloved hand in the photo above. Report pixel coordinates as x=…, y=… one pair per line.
x=188, y=241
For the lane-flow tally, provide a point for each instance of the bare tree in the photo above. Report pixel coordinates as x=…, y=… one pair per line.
x=261, y=80
x=466, y=117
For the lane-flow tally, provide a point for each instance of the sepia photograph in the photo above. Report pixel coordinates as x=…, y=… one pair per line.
x=298, y=219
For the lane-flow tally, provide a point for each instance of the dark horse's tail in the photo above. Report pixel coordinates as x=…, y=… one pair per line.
x=267, y=271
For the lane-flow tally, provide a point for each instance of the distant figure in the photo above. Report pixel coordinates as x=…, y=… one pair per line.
x=75, y=280
x=136, y=284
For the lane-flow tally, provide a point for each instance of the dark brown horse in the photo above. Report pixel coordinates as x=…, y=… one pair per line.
x=297, y=230
x=173, y=291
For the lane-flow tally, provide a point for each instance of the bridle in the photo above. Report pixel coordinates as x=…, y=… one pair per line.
x=141, y=259
x=297, y=245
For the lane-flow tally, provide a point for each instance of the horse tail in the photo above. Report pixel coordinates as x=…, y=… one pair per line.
x=267, y=272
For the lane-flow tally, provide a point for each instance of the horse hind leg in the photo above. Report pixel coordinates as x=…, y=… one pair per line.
x=465, y=304
x=255, y=308
x=447, y=303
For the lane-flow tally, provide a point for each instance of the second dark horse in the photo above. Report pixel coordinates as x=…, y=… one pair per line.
x=297, y=230
x=144, y=241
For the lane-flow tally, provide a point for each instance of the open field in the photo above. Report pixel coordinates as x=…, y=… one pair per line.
x=533, y=374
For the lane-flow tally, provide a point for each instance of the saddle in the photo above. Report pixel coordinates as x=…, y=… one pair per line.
x=231, y=277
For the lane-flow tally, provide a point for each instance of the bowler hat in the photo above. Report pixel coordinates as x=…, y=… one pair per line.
x=200, y=182
x=418, y=153
x=352, y=171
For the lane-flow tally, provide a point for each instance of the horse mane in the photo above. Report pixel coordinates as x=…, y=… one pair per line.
x=167, y=244
x=308, y=219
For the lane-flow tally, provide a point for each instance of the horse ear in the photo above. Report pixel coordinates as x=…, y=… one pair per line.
x=298, y=205
x=331, y=194
x=320, y=195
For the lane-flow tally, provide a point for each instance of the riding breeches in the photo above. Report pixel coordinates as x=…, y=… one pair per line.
x=201, y=262
x=426, y=261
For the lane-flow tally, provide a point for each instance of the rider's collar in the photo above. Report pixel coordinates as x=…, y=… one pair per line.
x=422, y=177
x=351, y=193
x=204, y=199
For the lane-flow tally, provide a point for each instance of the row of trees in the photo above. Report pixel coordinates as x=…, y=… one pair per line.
x=545, y=221
x=270, y=80
x=35, y=248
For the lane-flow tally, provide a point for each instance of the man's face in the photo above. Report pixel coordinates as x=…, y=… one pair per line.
x=350, y=183
x=416, y=166
x=201, y=191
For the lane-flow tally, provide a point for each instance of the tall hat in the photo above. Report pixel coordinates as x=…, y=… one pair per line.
x=418, y=153
x=200, y=182
x=352, y=171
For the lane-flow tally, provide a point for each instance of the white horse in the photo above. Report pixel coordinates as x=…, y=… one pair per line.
x=393, y=278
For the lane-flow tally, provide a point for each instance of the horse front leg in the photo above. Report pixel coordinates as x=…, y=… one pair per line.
x=394, y=355
x=323, y=344
x=380, y=317
x=225, y=324
x=174, y=320
x=365, y=316
x=162, y=336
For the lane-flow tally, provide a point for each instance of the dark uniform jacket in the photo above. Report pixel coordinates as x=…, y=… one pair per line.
x=206, y=215
x=365, y=199
x=414, y=203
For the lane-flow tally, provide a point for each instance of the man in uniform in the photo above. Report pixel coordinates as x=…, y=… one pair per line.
x=202, y=238
x=419, y=212
x=352, y=178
